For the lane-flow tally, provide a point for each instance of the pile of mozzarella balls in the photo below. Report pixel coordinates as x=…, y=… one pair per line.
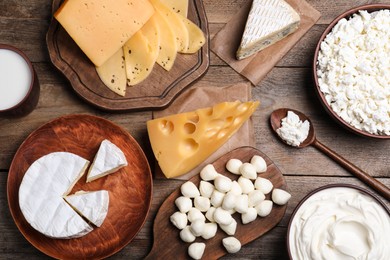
x=203, y=209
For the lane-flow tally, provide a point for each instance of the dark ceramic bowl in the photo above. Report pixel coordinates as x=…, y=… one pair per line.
x=370, y=8
x=330, y=186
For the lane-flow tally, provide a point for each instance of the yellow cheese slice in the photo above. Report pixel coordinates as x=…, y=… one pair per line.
x=139, y=58
x=101, y=27
x=175, y=22
x=196, y=37
x=181, y=142
x=151, y=30
x=168, y=44
x=178, y=6
x=113, y=73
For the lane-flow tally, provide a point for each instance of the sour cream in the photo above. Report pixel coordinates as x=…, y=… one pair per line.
x=340, y=223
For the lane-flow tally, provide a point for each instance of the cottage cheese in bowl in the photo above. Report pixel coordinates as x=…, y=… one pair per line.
x=353, y=70
x=340, y=223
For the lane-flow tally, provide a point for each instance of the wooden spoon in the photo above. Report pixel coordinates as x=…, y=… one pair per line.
x=167, y=243
x=275, y=120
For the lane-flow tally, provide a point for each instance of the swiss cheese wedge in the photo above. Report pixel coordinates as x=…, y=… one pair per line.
x=113, y=73
x=176, y=23
x=178, y=6
x=139, y=58
x=101, y=27
x=181, y=142
x=168, y=44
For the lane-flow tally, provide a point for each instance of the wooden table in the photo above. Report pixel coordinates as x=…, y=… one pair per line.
x=24, y=25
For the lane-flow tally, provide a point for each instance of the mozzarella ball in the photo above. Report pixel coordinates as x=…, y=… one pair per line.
x=206, y=189
x=255, y=197
x=280, y=197
x=264, y=185
x=229, y=201
x=197, y=227
x=223, y=183
x=246, y=185
x=208, y=173
x=233, y=166
x=248, y=171
x=231, y=244
x=179, y=219
x=217, y=198
x=189, y=190
x=196, y=250
x=202, y=203
x=236, y=188
x=209, y=231
x=194, y=214
x=259, y=163
x=264, y=208
x=210, y=214
x=249, y=216
x=186, y=235
x=184, y=204
x=222, y=217
x=242, y=203
x=229, y=229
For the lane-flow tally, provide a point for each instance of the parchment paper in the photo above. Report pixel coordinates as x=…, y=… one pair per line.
x=201, y=97
x=255, y=68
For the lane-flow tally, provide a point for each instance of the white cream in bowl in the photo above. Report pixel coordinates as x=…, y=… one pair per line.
x=340, y=223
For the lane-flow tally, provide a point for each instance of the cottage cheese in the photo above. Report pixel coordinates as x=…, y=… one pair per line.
x=293, y=130
x=354, y=71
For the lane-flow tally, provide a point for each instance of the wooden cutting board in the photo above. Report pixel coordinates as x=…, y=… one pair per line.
x=130, y=189
x=156, y=92
x=167, y=242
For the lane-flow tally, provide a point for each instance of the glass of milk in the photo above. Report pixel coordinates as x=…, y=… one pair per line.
x=19, y=85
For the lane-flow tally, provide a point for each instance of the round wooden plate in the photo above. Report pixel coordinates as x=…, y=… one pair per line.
x=156, y=92
x=130, y=188
x=171, y=246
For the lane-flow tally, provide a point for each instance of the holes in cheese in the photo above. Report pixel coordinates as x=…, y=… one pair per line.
x=101, y=27
x=181, y=142
x=139, y=58
x=178, y=6
x=176, y=23
x=113, y=73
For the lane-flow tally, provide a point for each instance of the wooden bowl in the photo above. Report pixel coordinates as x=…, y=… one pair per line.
x=130, y=188
x=321, y=96
x=329, y=186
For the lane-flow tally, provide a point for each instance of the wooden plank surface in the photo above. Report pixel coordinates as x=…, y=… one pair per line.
x=24, y=25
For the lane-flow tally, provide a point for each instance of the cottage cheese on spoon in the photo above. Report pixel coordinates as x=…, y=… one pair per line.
x=293, y=130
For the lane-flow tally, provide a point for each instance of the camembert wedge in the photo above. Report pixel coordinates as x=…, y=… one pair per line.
x=268, y=22
x=181, y=142
x=91, y=205
x=41, y=193
x=108, y=159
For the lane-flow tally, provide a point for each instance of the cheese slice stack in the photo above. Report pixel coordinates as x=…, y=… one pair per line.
x=41, y=193
x=268, y=22
x=101, y=27
x=91, y=205
x=181, y=142
x=108, y=159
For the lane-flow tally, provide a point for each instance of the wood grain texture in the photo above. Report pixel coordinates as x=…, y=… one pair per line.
x=129, y=189
x=24, y=24
x=173, y=245
x=157, y=91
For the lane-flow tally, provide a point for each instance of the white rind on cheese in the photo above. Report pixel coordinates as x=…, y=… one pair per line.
x=91, y=205
x=40, y=195
x=108, y=159
x=268, y=22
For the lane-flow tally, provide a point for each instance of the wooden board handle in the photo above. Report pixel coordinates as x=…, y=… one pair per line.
x=360, y=174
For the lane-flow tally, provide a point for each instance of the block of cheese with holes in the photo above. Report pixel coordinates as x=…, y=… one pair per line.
x=101, y=27
x=181, y=142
